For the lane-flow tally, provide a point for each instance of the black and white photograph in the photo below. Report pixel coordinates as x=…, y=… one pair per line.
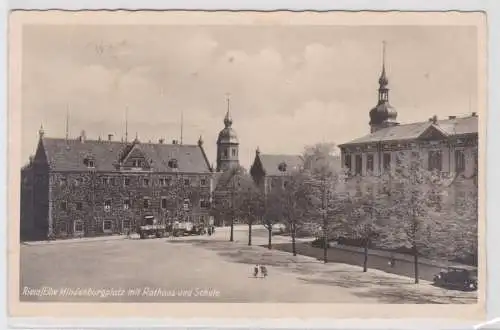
x=251, y=162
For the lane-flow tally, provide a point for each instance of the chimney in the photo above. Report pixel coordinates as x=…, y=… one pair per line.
x=474, y=114
x=452, y=117
x=160, y=141
x=110, y=137
x=434, y=119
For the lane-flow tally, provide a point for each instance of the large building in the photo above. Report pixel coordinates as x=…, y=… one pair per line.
x=81, y=187
x=449, y=145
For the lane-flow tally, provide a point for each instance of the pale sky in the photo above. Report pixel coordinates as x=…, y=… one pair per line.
x=290, y=86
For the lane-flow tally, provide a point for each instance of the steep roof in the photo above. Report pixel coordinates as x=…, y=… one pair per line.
x=69, y=155
x=270, y=163
x=450, y=127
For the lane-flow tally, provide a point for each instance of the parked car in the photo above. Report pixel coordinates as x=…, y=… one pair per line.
x=149, y=226
x=462, y=278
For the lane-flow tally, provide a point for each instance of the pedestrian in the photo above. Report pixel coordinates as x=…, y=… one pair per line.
x=256, y=271
x=392, y=261
x=213, y=229
x=263, y=271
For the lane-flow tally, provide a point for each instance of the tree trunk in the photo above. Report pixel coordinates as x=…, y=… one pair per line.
x=270, y=234
x=365, y=262
x=294, y=249
x=325, y=247
x=231, y=237
x=415, y=262
x=249, y=233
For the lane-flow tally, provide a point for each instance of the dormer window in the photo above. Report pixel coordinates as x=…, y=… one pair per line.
x=136, y=163
x=89, y=162
x=173, y=163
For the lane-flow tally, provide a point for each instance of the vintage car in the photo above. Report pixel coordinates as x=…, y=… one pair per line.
x=149, y=226
x=462, y=278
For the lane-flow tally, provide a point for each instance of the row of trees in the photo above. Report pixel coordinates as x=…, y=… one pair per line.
x=408, y=208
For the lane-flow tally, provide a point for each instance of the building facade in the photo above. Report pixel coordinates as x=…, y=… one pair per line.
x=79, y=187
x=448, y=145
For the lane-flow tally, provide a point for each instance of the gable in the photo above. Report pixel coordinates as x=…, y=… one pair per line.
x=136, y=158
x=257, y=171
x=433, y=132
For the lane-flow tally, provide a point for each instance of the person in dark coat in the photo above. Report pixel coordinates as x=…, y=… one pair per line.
x=263, y=271
x=256, y=271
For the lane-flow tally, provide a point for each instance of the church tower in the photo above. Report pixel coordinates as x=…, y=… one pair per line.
x=383, y=115
x=227, y=145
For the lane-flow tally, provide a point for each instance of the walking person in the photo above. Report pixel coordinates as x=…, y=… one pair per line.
x=263, y=271
x=256, y=271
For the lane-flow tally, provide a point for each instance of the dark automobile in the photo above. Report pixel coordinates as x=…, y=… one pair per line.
x=462, y=278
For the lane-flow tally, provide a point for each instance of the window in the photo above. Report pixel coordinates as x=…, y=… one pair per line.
x=89, y=162
x=62, y=181
x=459, y=161
x=136, y=163
x=168, y=181
x=161, y=182
x=359, y=164
x=105, y=181
x=172, y=163
x=78, y=226
x=107, y=226
x=145, y=182
x=64, y=205
x=203, y=181
x=107, y=205
x=233, y=151
x=435, y=161
x=204, y=204
x=387, y=161
x=126, y=181
x=126, y=204
x=369, y=163
x=146, y=203
x=187, y=182
x=347, y=162
x=79, y=206
x=163, y=202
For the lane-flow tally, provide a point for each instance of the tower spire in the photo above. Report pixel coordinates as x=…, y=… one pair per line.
x=383, y=81
x=227, y=119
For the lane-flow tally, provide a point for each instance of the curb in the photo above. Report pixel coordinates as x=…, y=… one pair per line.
x=76, y=240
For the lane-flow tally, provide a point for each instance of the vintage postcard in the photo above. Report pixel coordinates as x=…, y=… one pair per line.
x=303, y=164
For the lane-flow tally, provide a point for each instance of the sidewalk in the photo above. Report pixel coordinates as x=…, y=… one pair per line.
x=79, y=240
